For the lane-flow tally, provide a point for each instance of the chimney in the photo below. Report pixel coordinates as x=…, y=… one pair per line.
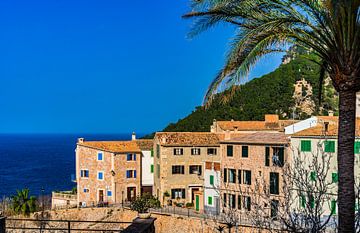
x=133, y=136
x=80, y=140
x=331, y=113
x=235, y=129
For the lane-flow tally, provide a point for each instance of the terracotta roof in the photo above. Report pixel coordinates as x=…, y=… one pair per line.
x=254, y=125
x=112, y=146
x=261, y=138
x=145, y=144
x=187, y=138
x=319, y=129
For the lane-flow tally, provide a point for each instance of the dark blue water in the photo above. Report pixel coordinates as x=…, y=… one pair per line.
x=36, y=161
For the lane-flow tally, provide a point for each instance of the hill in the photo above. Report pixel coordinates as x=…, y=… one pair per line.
x=291, y=90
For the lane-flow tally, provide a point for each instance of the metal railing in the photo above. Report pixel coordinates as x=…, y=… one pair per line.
x=62, y=225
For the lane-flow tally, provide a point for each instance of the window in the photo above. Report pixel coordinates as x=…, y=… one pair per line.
x=278, y=157
x=100, y=175
x=244, y=151
x=274, y=208
x=211, y=151
x=247, y=177
x=152, y=168
x=211, y=180
x=239, y=202
x=84, y=173
x=100, y=156
x=232, y=175
x=329, y=146
x=225, y=175
x=247, y=203
x=195, y=169
x=158, y=170
x=86, y=190
x=274, y=183
x=195, y=151
x=225, y=200
x=109, y=193
x=333, y=207
x=239, y=176
x=232, y=202
x=131, y=157
x=302, y=201
x=210, y=200
x=312, y=201
x=177, y=193
x=152, y=152
x=158, y=150
x=267, y=156
x=178, y=151
x=131, y=174
x=178, y=169
x=357, y=147
x=229, y=151
x=334, y=177
x=312, y=176
x=305, y=145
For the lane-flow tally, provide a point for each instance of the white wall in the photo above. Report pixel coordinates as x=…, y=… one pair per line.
x=211, y=190
x=301, y=125
x=147, y=178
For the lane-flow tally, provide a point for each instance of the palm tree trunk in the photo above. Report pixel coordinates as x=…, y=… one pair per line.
x=345, y=159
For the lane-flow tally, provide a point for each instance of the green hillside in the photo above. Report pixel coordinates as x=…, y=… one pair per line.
x=272, y=93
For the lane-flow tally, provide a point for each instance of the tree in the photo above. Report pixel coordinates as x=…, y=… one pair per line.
x=23, y=203
x=329, y=29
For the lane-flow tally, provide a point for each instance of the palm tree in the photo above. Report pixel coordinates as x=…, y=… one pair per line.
x=22, y=203
x=328, y=28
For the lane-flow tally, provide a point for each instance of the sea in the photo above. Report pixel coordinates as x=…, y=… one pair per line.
x=41, y=162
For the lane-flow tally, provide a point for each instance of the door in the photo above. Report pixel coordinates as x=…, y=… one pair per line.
x=101, y=195
x=193, y=190
x=197, y=203
x=131, y=193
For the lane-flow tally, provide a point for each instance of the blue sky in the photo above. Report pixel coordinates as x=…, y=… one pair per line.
x=112, y=66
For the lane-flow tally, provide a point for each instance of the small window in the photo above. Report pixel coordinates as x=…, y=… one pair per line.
x=274, y=208
x=334, y=177
x=305, y=146
x=178, y=169
x=244, y=151
x=239, y=177
x=274, y=183
x=329, y=146
x=229, y=150
x=131, y=157
x=211, y=151
x=267, y=156
x=232, y=202
x=232, y=175
x=195, y=151
x=100, y=156
x=211, y=180
x=210, y=201
x=225, y=200
x=109, y=193
x=247, y=177
x=178, y=151
x=247, y=203
x=86, y=190
x=131, y=174
x=100, y=175
x=84, y=173
x=225, y=175
x=177, y=193
x=239, y=202
x=195, y=169
x=312, y=176
x=152, y=168
x=158, y=150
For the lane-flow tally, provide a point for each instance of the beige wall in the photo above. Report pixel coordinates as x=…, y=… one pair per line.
x=167, y=181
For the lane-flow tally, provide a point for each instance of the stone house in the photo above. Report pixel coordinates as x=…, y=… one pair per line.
x=107, y=171
x=248, y=160
x=179, y=165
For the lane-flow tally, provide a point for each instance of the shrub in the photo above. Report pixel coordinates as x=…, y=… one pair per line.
x=142, y=203
x=189, y=205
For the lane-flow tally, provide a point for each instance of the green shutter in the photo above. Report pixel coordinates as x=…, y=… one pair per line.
x=302, y=201
x=152, y=152
x=357, y=147
x=152, y=168
x=334, y=177
x=209, y=200
x=333, y=207
x=312, y=202
x=313, y=176
x=329, y=146
x=305, y=145
x=211, y=179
